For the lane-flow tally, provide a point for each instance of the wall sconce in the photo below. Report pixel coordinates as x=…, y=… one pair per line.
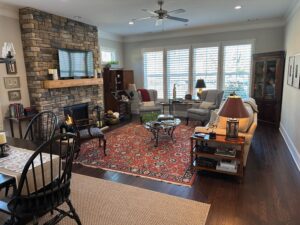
x=8, y=53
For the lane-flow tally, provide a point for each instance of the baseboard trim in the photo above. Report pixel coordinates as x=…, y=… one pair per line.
x=292, y=148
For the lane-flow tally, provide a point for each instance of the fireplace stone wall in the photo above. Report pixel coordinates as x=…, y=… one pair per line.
x=42, y=35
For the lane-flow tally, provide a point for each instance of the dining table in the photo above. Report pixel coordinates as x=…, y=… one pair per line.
x=20, y=151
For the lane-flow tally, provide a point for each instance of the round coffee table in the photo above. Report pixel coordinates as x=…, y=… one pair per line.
x=162, y=128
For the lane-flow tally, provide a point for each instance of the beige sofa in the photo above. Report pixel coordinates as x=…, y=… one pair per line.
x=247, y=127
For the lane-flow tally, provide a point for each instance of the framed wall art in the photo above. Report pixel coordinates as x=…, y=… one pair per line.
x=11, y=68
x=11, y=82
x=14, y=95
x=291, y=70
x=296, y=79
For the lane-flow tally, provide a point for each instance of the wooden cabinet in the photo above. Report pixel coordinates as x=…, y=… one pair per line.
x=114, y=82
x=268, y=74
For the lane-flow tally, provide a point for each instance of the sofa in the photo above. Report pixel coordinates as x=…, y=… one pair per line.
x=210, y=100
x=247, y=126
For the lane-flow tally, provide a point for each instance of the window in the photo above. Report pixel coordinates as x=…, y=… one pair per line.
x=205, y=66
x=178, y=72
x=236, y=69
x=153, y=72
x=108, y=55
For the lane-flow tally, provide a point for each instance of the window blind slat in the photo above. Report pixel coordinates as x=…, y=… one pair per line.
x=153, y=72
x=178, y=72
x=205, y=66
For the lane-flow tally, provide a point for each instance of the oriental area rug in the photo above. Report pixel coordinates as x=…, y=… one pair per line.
x=130, y=150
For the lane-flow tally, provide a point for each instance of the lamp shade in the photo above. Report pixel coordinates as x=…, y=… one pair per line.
x=200, y=84
x=234, y=108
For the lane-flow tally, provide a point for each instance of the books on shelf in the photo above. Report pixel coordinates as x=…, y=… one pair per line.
x=228, y=152
x=227, y=165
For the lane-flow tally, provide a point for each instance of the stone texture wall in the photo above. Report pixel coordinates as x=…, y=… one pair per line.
x=42, y=35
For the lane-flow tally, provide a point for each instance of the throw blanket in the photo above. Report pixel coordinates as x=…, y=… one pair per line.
x=145, y=95
x=252, y=103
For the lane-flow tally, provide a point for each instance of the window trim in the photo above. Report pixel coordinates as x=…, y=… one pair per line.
x=191, y=47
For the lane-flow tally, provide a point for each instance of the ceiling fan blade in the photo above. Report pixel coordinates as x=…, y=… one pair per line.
x=149, y=11
x=177, y=18
x=158, y=22
x=144, y=18
x=177, y=11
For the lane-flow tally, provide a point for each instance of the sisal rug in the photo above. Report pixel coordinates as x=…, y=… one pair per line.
x=130, y=150
x=101, y=202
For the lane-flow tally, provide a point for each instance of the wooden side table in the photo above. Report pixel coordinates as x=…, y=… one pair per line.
x=220, y=142
x=19, y=121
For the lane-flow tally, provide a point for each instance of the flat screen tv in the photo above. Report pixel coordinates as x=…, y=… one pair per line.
x=75, y=63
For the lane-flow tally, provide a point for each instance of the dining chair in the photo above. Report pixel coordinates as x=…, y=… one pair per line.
x=86, y=130
x=39, y=190
x=41, y=127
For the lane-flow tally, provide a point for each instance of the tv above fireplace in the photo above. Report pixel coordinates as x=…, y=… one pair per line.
x=75, y=63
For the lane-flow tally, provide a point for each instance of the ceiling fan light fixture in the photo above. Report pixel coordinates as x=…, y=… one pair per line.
x=238, y=7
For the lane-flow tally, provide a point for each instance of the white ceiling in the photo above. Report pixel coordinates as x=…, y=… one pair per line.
x=113, y=15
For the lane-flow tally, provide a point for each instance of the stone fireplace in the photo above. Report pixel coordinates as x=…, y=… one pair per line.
x=42, y=35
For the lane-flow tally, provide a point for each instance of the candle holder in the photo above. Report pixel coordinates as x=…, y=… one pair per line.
x=3, y=151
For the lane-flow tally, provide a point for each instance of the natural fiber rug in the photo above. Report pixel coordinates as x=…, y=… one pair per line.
x=130, y=150
x=100, y=202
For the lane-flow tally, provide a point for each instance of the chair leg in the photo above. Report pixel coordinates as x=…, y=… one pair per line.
x=141, y=119
x=187, y=121
x=104, y=146
x=75, y=215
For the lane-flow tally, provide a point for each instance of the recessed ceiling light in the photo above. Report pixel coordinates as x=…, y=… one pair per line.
x=131, y=22
x=77, y=17
x=238, y=7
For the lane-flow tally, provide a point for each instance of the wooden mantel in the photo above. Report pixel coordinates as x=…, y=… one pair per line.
x=54, y=84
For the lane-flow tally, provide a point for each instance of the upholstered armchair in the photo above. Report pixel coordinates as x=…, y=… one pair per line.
x=210, y=100
x=148, y=106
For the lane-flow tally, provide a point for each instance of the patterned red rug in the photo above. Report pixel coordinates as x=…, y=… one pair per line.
x=130, y=150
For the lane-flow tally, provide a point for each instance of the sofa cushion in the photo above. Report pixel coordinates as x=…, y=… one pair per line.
x=150, y=103
x=206, y=105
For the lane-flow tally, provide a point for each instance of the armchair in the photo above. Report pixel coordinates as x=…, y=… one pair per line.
x=150, y=106
x=210, y=100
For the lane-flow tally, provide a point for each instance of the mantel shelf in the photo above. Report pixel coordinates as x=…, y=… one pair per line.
x=54, y=84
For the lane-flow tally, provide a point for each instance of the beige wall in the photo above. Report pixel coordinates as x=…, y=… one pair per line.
x=266, y=40
x=115, y=45
x=10, y=31
x=290, y=122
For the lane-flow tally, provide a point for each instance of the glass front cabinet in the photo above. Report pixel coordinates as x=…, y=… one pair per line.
x=267, y=84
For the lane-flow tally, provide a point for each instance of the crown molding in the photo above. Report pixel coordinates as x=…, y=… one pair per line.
x=109, y=36
x=292, y=10
x=9, y=11
x=268, y=23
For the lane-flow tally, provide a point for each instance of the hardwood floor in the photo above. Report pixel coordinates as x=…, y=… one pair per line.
x=270, y=193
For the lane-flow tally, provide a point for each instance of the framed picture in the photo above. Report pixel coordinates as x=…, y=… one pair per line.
x=296, y=79
x=11, y=68
x=291, y=70
x=14, y=95
x=11, y=82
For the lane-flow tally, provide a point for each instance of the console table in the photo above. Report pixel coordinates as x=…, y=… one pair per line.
x=19, y=121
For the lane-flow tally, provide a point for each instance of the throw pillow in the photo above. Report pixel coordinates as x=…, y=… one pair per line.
x=206, y=105
x=147, y=104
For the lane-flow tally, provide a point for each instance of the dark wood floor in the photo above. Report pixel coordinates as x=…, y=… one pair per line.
x=270, y=193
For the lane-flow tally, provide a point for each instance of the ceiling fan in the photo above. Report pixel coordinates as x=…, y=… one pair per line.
x=161, y=14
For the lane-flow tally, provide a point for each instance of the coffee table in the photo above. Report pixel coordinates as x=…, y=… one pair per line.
x=162, y=128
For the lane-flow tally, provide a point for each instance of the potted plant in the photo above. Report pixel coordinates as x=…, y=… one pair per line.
x=111, y=64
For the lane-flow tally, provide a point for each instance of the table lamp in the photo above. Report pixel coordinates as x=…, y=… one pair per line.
x=233, y=109
x=200, y=84
x=3, y=142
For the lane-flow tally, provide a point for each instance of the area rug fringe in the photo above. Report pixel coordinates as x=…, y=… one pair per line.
x=143, y=176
